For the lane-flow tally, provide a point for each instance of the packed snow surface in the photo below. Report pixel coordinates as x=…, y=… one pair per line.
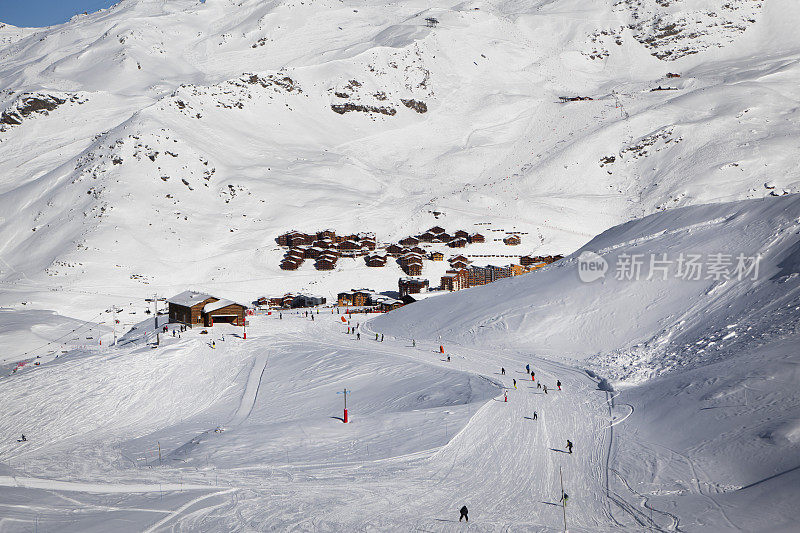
x=215, y=432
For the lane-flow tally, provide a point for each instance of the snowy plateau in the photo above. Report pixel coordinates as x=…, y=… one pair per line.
x=160, y=146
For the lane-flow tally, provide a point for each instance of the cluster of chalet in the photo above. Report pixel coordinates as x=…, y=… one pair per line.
x=291, y=301
x=368, y=297
x=199, y=309
x=462, y=275
x=324, y=247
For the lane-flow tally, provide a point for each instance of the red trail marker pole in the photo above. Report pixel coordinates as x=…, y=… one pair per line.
x=344, y=392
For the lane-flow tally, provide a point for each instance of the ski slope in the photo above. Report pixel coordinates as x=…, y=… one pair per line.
x=247, y=434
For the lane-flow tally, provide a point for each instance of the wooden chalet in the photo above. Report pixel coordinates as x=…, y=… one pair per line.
x=361, y=297
x=375, y=260
x=512, y=240
x=300, y=239
x=226, y=311
x=442, y=237
x=291, y=263
x=436, y=230
x=296, y=252
x=458, y=265
x=344, y=299
x=459, y=257
x=413, y=269
x=389, y=304
x=200, y=309
x=476, y=238
x=417, y=250
x=426, y=237
x=283, y=239
x=458, y=242
x=409, y=241
x=412, y=285
x=437, y=256
x=461, y=234
x=326, y=234
x=394, y=250
x=325, y=263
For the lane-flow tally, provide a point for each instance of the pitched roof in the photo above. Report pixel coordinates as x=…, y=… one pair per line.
x=219, y=304
x=189, y=298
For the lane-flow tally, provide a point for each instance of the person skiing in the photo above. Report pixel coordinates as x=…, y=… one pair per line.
x=312, y=317
x=539, y=385
x=22, y=439
x=413, y=343
x=533, y=376
x=535, y=416
x=527, y=368
x=545, y=388
x=558, y=384
x=569, y=445
x=376, y=336
x=502, y=371
x=213, y=344
x=381, y=337
x=464, y=512
x=448, y=358
x=515, y=383
x=358, y=336
x=280, y=316
x=564, y=498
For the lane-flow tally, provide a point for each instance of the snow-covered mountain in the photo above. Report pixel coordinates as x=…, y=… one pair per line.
x=159, y=144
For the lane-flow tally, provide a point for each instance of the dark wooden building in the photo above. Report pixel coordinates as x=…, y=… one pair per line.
x=412, y=285
x=200, y=309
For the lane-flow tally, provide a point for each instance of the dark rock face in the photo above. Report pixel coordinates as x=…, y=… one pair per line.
x=417, y=105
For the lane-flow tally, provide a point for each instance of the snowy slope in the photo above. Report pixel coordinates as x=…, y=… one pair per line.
x=180, y=126
x=706, y=370
x=635, y=329
x=249, y=435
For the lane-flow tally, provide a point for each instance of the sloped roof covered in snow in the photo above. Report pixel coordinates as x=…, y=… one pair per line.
x=213, y=306
x=189, y=298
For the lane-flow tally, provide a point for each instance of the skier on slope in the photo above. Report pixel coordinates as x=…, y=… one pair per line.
x=564, y=498
x=558, y=384
x=527, y=368
x=515, y=383
x=569, y=445
x=538, y=384
x=544, y=387
x=358, y=336
x=535, y=415
x=22, y=439
x=502, y=371
x=464, y=511
x=533, y=375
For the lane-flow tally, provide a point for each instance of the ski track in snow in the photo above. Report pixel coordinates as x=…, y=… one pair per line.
x=497, y=455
